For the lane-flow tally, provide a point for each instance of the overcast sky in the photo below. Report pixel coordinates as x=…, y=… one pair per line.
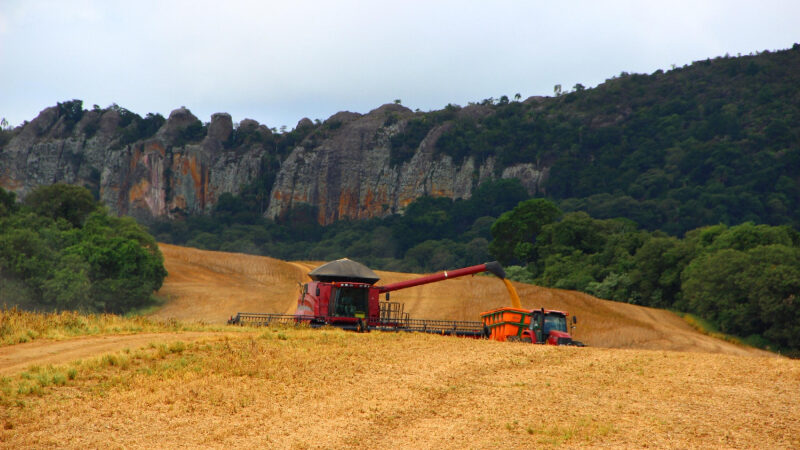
x=279, y=61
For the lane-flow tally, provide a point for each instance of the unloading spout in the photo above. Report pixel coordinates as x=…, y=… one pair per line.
x=495, y=268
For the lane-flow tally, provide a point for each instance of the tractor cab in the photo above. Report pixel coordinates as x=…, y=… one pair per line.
x=549, y=327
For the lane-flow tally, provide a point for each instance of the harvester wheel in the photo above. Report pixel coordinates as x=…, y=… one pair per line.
x=360, y=328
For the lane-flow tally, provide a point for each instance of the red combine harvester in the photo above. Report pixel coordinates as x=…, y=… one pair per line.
x=343, y=294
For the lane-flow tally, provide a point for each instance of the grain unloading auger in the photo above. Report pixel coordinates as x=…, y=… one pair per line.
x=343, y=294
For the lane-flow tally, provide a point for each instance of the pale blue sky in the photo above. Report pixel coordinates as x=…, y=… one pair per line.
x=277, y=62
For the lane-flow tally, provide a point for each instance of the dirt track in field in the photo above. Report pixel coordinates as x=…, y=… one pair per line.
x=212, y=286
x=16, y=358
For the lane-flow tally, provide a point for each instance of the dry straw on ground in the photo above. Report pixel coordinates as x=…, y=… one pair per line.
x=18, y=326
x=297, y=388
x=301, y=388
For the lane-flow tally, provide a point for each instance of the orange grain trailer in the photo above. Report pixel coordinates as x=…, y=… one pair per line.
x=537, y=326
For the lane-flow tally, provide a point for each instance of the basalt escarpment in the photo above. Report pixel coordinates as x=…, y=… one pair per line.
x=150, y=168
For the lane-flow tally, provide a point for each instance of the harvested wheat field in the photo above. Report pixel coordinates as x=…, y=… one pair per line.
x=212, y=286
x=286, y=387
x=301, y=388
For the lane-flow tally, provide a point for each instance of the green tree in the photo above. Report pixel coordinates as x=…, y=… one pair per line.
x=72, y=203
x=772, y=282
x=713, y=288
x=515, y=232
x=656, y=276
x=63, y=252
x=575, y=231
x=125, y=265
x=8, y=202
x=69, y=286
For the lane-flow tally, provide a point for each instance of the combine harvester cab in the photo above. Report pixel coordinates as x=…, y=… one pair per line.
x=341, y=294
x=538, y=326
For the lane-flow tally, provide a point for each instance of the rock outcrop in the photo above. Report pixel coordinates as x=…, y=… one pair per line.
x=349, y=175
x=342, y=167
x=155, y=177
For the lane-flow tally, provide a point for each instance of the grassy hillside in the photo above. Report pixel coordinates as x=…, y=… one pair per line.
x=328, y=388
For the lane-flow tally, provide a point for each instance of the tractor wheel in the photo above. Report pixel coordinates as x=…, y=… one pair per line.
x=486, y=333
x=513, y=339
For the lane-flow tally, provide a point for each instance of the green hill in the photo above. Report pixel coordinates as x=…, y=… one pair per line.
x=713, y=142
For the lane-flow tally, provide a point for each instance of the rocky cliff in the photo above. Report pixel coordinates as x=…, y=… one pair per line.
x=160, y=175
x=151, y=168
x=348, y=173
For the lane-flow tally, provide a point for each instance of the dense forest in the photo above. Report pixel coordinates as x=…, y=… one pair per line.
x=61, y=250
x=713, y=142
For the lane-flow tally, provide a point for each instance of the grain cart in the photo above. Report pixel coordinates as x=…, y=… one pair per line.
x=538, y=326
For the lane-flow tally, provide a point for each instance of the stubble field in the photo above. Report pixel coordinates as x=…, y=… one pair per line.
x=213, y=286
x=649, y=379
x=296, y=388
